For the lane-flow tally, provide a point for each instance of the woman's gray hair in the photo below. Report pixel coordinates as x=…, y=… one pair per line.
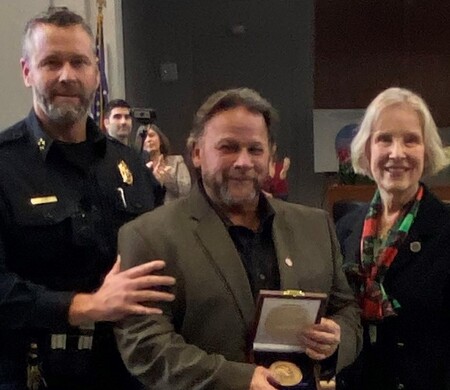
x=435, y=157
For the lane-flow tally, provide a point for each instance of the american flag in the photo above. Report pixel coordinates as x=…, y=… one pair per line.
x=101, y=95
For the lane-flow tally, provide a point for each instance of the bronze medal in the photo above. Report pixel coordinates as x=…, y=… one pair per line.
x=286, y=373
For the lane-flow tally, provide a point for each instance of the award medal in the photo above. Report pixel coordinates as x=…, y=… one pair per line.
x=286, y=373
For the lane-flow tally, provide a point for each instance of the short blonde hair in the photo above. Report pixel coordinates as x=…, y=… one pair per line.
x=435, y=157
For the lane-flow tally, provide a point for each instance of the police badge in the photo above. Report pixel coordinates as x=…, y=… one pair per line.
x=125, y=172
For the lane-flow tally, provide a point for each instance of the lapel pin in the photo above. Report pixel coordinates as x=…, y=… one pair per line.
x=415, y=246
x=288, y=262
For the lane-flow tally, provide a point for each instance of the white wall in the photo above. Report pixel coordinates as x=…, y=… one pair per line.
x=15, y=99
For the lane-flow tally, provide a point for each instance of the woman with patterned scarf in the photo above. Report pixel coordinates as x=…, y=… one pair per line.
x=397, y=251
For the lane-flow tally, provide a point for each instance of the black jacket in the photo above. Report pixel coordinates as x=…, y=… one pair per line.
x=412, y=349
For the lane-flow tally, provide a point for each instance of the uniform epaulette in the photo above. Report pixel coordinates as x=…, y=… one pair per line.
x=12, y=133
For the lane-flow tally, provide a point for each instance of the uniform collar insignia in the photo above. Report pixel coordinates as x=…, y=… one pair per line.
x=41, y=144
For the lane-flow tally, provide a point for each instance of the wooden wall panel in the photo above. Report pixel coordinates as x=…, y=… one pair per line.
x=362, y=47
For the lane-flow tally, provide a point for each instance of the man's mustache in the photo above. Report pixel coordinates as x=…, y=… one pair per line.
x=237, y=176
x=67, y=90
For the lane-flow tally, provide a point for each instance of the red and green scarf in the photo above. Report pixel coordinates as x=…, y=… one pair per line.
x=374, y=301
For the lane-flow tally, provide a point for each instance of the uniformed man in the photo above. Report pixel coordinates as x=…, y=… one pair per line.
x=65, y=189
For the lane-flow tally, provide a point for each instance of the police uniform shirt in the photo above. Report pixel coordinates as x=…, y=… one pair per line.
x=61, y=206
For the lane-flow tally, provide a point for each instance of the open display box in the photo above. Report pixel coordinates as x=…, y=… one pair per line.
x=281, y=316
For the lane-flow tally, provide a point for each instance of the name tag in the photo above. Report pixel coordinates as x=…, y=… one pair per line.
x=43, y=200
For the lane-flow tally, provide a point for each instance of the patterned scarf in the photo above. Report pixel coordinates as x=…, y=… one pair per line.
x=374, y=301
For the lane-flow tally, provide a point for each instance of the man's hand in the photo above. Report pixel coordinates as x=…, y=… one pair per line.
x=262, y=379
x=321, y=340
x=122, y=293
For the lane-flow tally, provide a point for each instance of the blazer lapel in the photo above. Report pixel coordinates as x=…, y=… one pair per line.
x=428, y=223
x=287, y=266
x=430, y=217
x=221, y=253
x=349, y=236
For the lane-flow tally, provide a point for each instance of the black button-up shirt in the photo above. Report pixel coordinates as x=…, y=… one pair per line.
x=256, y=248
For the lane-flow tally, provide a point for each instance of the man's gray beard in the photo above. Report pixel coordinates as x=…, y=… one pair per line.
x=64, y=114
x=228, y=200
x=222, y=194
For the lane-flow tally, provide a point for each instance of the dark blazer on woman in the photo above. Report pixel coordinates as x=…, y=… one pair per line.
x=412, y=350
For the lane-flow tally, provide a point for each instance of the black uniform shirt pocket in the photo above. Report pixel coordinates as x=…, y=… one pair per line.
x=39, y=234
x=44, y=214
x=132, y=202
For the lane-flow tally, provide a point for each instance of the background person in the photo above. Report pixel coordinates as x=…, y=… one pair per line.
x=170, y=170
x=276, y=184
x=225, y=242
x=117, y=120
x=65, y=189
x=396, y=250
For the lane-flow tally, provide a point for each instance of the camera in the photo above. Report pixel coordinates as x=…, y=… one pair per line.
x=145, y=116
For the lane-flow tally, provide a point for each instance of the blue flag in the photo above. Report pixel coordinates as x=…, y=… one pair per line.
x=101, y=95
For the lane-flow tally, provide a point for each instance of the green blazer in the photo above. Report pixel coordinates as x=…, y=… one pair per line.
x=200, y=340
